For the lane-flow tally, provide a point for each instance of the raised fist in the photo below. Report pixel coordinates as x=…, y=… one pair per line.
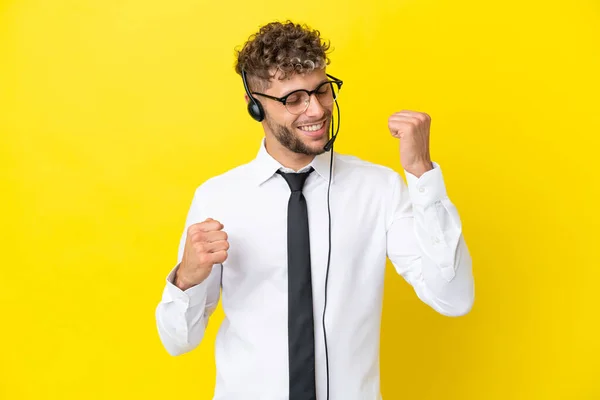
x=205, y=245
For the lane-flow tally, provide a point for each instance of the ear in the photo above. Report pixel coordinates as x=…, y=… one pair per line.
x=246, y=98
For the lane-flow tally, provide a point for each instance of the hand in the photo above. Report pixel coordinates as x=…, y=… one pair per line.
x=205, y=245
x=412, y=128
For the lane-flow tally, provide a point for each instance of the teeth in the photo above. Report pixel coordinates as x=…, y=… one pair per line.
x=311, y=128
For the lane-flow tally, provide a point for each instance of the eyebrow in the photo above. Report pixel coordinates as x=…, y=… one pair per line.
x=295, y=90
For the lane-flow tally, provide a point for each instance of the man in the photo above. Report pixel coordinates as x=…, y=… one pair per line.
x=299, y=250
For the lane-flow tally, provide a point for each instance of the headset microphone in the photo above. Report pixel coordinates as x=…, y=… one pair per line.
x=329, y=145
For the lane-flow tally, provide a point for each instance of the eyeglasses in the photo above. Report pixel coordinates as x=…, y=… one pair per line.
x=297, y=102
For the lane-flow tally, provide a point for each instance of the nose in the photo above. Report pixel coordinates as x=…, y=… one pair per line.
x=314, y=109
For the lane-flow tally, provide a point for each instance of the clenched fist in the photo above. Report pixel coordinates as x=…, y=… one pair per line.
x=412, y=128
x=205, y=245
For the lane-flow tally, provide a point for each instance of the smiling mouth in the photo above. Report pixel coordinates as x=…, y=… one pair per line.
x=312, y=127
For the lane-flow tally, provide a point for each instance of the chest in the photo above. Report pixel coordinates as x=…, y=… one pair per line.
x=257, y=228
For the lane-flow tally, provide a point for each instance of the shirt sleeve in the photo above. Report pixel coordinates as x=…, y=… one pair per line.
x=425, y=243
x=182, y=316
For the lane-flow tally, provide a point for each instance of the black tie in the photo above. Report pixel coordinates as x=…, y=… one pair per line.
x=300, y=306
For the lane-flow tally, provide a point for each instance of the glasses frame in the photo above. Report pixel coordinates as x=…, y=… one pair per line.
x=283, y=99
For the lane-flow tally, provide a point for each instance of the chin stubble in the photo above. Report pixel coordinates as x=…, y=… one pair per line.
x=289, y=139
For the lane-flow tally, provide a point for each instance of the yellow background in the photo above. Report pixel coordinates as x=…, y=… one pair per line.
x=112, y=112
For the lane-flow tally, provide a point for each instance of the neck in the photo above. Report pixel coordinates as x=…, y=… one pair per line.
x=285, y=157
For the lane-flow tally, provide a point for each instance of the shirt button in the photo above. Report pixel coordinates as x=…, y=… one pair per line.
x=422, y=189
x=436, y=239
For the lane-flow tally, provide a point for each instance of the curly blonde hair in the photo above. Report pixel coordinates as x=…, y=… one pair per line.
x=286, y=47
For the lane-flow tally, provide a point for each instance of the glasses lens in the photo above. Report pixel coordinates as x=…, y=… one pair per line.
x=326, y=93
x=297, y=103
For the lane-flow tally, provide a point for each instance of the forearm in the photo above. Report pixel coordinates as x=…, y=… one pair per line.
x=182, y=315
x=427, y=247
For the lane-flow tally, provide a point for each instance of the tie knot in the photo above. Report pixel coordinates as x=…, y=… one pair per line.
x=295, y=180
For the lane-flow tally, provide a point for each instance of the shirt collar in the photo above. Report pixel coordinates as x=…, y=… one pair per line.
x=265, y=166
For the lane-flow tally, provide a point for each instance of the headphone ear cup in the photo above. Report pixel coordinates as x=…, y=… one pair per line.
x=255, y=110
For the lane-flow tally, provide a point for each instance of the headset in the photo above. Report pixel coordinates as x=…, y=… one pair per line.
x=256, y=111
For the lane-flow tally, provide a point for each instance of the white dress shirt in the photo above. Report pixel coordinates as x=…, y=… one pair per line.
x=374, y=215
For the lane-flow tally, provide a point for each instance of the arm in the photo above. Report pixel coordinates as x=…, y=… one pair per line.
x=182, y=316
x=184, y=310
x=426, y=246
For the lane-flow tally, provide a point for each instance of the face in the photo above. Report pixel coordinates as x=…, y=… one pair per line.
x=306, y=133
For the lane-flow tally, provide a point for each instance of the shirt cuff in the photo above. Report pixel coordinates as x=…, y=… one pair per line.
x=191, y=297
x=427, y=189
